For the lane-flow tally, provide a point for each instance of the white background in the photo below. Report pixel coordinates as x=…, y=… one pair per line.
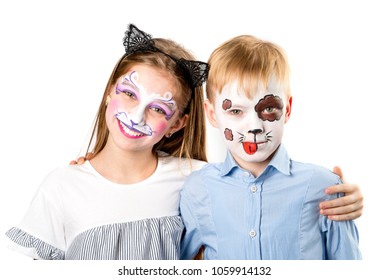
x=56, y=57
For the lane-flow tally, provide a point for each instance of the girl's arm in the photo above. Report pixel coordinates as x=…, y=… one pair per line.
x=348, y=207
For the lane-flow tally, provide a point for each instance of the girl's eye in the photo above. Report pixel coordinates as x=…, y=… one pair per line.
x=158, y=110
x=130, y=94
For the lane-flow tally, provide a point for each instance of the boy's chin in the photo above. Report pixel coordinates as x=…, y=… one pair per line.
x=260, y=156
x=256, y=157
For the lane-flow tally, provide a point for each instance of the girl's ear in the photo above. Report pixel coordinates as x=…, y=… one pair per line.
x=210, y=111
x=288, y=109
x=107, y=100
x=180, y=123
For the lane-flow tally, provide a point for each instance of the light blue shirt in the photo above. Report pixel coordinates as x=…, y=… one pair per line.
x=272, y=217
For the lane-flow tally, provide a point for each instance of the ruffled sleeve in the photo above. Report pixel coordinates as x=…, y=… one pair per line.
x=41, y=233
x=34, y=247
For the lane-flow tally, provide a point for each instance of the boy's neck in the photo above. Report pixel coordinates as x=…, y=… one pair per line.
x=256, y=168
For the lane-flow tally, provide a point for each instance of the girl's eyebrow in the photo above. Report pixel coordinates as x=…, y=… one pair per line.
x=128, y=81
x=130, y=85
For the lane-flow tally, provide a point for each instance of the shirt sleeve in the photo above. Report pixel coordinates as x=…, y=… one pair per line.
x=191, y=241
x=40, y=234
x=341, y=240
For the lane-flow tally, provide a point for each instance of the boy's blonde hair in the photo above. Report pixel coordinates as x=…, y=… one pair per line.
x=249, y=61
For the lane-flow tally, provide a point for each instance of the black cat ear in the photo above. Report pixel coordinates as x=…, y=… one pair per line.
x=136, y=40
x=196, y=72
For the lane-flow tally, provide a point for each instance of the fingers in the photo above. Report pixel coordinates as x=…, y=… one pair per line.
x=344, y=208
x=343, y=188
x=81, y=160
x=353, y=195
x=338, y=171
x=89, y=156
x=345, y=217
x=338, y=202
x=340, y=210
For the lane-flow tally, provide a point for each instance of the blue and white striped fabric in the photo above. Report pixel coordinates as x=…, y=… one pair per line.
x=78, y=214
x=149, y=239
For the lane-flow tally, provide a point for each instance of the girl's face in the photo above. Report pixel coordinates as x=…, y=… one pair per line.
x=252, y=128
x=141, y=108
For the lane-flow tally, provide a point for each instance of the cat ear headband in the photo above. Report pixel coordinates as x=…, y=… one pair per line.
x=137, y=41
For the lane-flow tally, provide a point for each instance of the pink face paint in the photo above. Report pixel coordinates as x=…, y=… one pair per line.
x=160, y=127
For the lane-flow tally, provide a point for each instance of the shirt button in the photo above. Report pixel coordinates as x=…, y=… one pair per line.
x=253, y=189
x=247, y=174
x=252, y=233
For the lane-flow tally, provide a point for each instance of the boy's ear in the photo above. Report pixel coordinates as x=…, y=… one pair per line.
x=288, y=109
x=210, y=111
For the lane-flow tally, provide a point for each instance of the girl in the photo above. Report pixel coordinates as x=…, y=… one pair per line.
x=123, y=203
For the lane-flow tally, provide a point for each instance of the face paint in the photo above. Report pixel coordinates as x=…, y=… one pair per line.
x=142, y=100
x=226, y=104
x=269, y=108
x=258, y=123
x=228, y=134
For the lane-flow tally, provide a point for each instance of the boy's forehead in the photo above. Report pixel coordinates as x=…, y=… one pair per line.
x=233, y=89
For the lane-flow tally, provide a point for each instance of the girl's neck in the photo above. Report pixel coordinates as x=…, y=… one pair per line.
x=124, y=167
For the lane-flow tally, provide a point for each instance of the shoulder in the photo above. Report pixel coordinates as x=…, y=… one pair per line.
x=206, y=170
x=60, y=176
x=179, y=165
x=314, y=172
x=196, y=182
x=317, y=178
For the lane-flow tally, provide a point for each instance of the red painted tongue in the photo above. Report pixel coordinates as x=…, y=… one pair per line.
x=250, y=148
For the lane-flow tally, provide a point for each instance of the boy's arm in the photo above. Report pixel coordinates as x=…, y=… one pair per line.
x=341, y=240
x=191, y=241
x=348, y=207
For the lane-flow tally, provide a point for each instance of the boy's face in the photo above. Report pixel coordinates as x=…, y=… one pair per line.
x=251, y=128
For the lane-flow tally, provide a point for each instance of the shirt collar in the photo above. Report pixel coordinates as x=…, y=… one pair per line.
x=280, y=161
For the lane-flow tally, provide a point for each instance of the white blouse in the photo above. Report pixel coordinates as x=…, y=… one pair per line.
x=79, y=214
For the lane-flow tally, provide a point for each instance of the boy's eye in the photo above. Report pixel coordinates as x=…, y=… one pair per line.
x=235, y=112
x=269, y=109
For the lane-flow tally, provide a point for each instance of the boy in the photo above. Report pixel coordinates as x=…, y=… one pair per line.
x=258, y=204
